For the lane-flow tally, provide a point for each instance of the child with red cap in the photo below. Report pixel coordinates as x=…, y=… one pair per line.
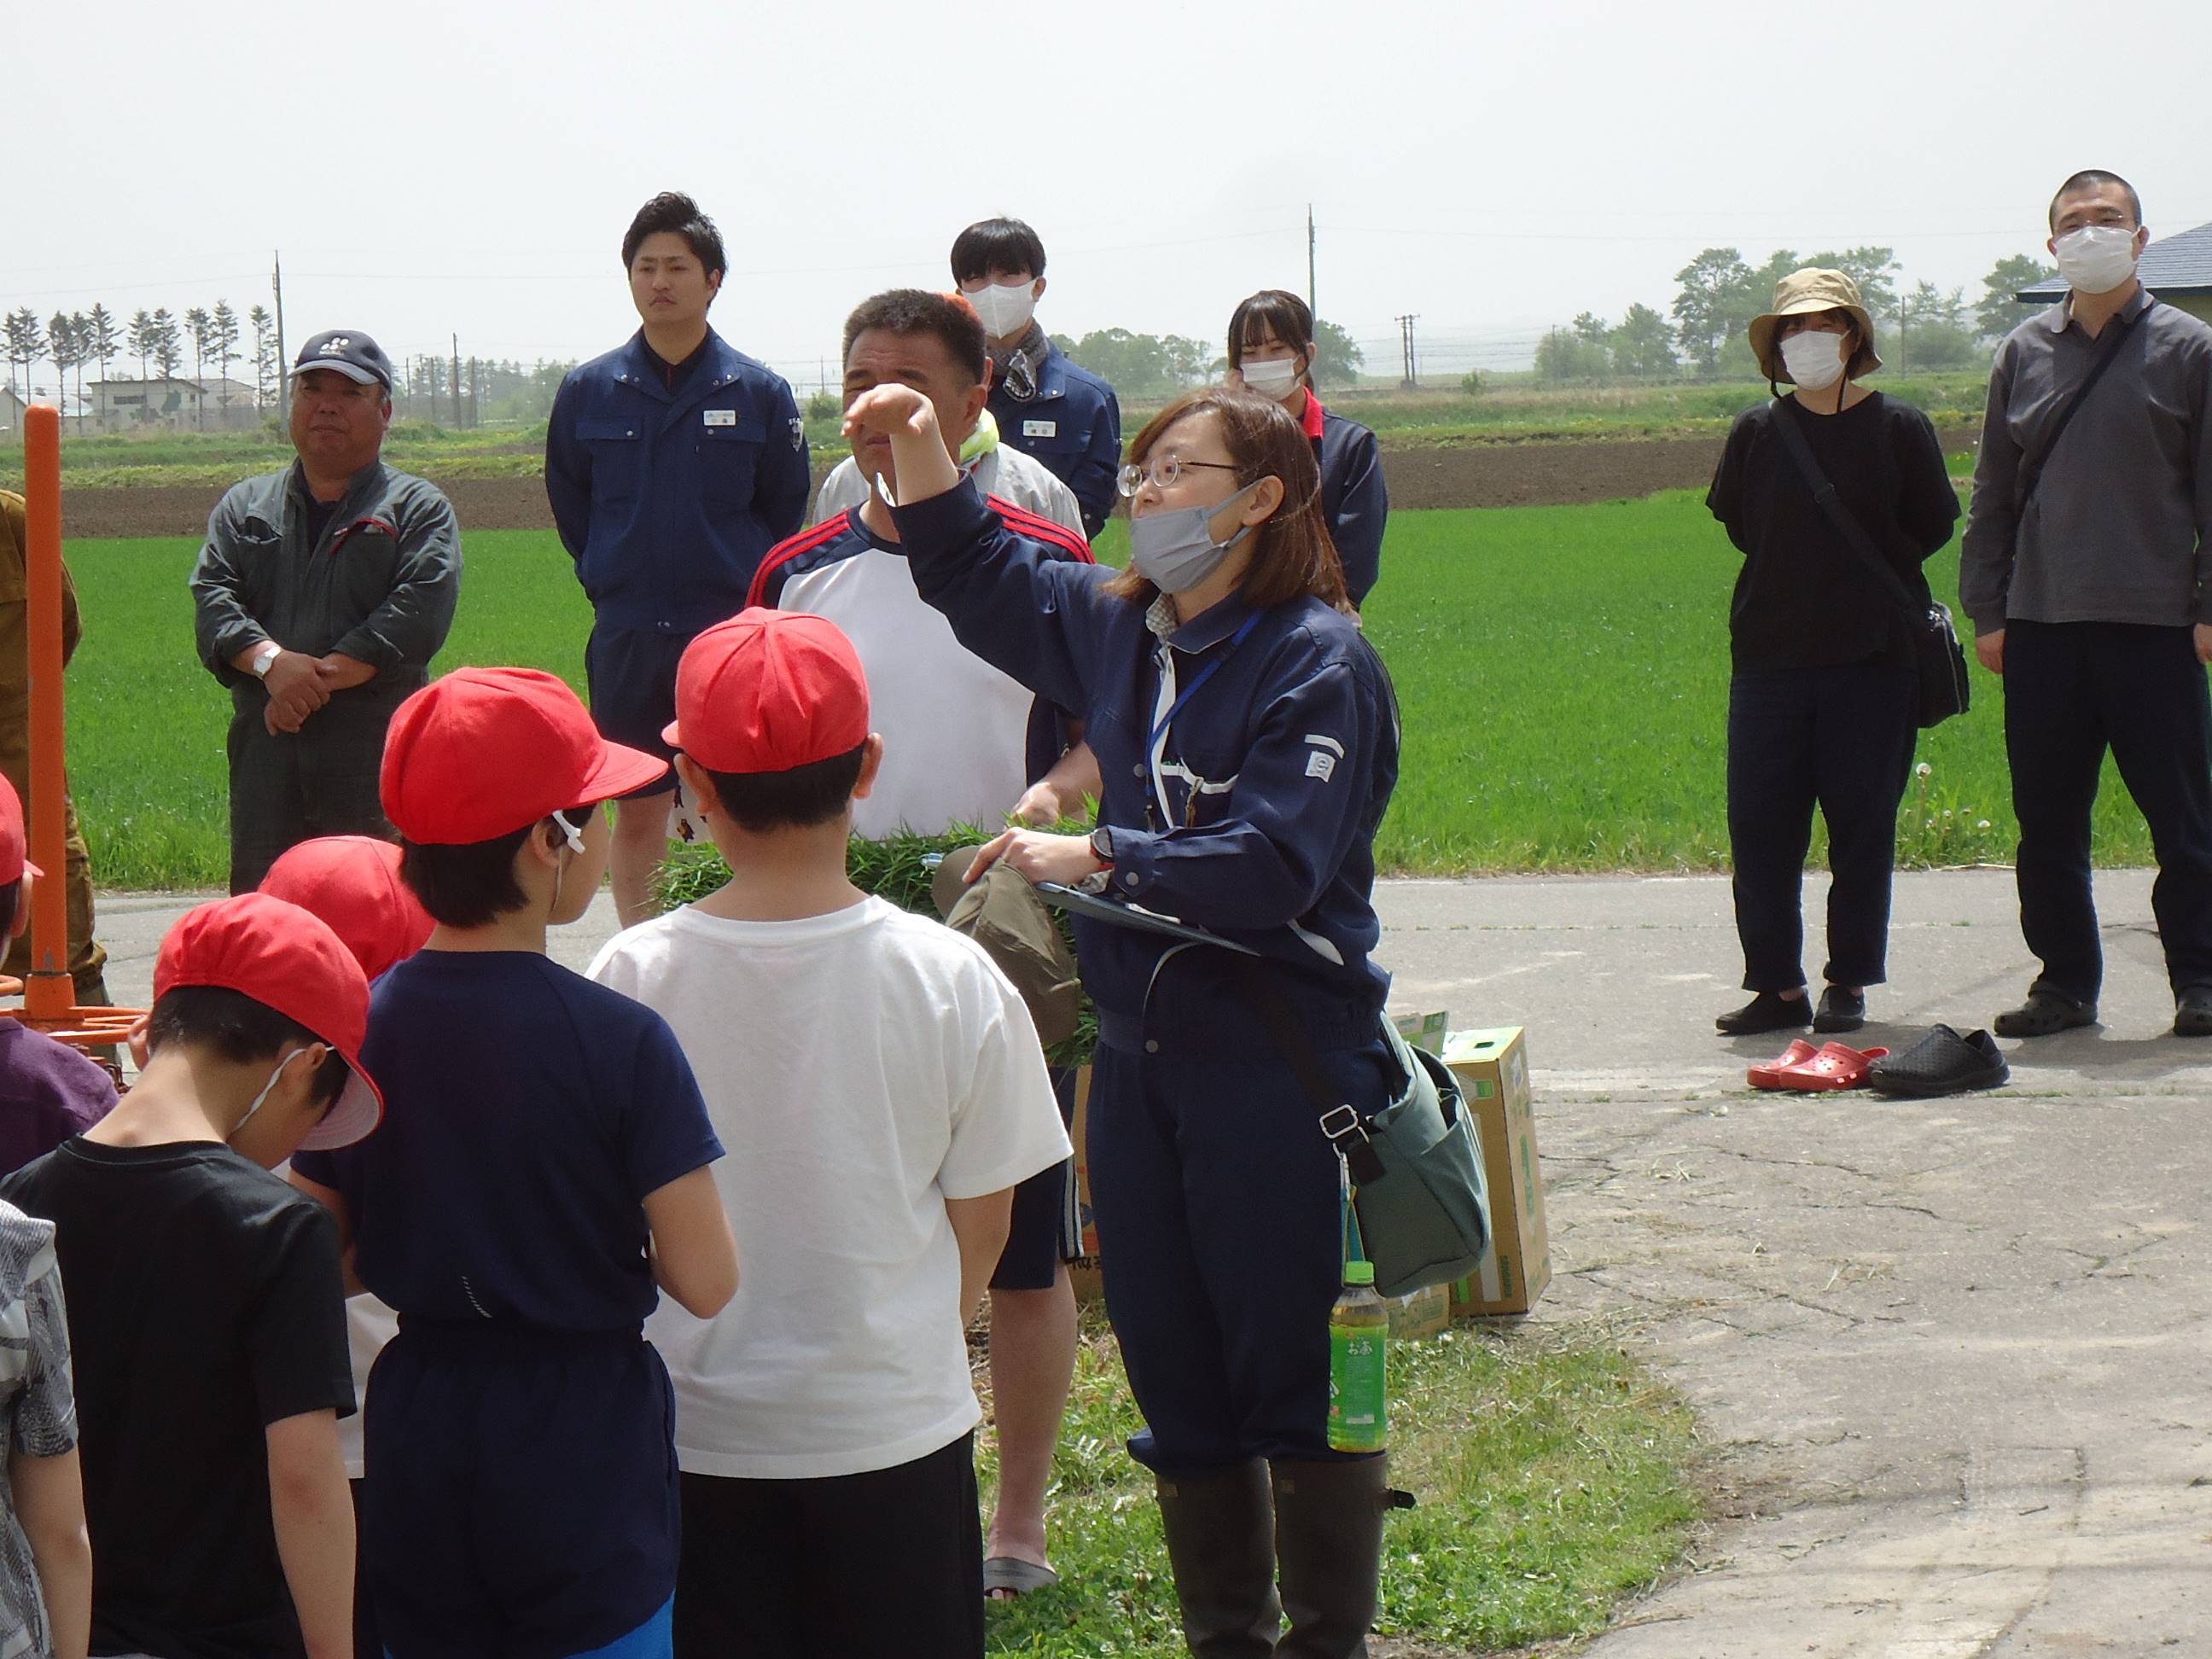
x=543, y=1168
x=48, y=1091
x=885, y=1092
x=204, y=1297
x=353, y=883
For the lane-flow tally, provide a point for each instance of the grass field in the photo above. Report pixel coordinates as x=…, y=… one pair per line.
x=1563, y=674
x=1554, y=1476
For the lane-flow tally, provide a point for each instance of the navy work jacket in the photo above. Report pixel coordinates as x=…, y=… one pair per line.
x=667, y=500
x=1252, y=815
x=1073, y=426
x=1352, y=497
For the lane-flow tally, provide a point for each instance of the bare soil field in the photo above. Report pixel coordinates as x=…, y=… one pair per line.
x=1474, y=475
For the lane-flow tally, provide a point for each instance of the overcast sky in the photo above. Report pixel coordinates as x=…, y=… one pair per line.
x=434, y=166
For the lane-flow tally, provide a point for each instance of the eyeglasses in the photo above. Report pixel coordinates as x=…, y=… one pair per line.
x=1162, y=473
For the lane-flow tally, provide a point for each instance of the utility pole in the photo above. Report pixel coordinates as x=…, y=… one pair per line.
x=283, y=365
x=1313, y=304
x=457, y=382
x=1412, y=364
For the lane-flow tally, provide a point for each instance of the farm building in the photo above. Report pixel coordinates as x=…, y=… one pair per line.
x=217, y=404
x=2178, y=269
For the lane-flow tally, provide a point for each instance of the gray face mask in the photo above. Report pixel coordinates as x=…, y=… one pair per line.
x=1175, y=551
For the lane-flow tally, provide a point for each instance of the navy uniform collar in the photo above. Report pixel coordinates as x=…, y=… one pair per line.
x=1206, y=629
x=640, y=369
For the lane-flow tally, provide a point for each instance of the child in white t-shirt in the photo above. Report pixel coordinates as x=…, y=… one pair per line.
x=880, y=1089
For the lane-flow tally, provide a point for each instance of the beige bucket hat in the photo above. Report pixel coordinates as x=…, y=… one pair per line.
x=1813, y=290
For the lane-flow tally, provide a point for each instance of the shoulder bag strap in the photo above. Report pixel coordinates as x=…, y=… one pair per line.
x=2031, y=468
x=1847, y=524
x=1340, y=1120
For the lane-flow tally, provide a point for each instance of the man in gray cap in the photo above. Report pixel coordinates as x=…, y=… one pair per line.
x=319, y=598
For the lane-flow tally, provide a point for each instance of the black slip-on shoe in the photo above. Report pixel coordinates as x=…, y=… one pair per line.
x=1769, y=1011
x=1840, y=1010
x=2192, y=1012
x=2044, y=1013
x=1942, y=1063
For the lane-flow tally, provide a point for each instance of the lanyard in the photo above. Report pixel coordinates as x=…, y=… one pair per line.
x=1204, y=675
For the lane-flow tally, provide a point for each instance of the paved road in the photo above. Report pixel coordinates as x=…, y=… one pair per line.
x=1954, y=1354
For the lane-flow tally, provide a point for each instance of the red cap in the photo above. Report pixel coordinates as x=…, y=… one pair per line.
x=289, y=959
x=485, y=751
x=12, y=864
x=352, y=882
x=768, y=690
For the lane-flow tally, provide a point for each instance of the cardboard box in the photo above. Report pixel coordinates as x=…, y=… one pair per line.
x=1423, y=1030
x=1493, y=1069
x=1419, y=1313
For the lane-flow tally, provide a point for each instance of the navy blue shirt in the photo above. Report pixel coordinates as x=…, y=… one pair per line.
x=1353, y=498
x=1253, y=814
x=667, y=496
x=1073, y=425
x=527, y=1114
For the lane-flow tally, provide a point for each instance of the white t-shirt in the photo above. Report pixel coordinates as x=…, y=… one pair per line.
x=1004, y=471
x=860, y=1067
x=370, y=1324
x=954, y=729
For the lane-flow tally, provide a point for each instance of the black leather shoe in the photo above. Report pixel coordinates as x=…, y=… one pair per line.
x=2044, y=1013
x=1769, y=1011
x=2192, y=1012
x=1840, y=1011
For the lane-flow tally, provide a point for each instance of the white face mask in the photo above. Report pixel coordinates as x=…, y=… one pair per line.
x=239, y=1128
x=1005, y=307
x=1271, y=378
x=1815, y=360
x=2096, y=258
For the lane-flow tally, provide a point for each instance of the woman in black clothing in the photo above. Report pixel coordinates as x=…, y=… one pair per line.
x=1823, y=701
x=1271, y=351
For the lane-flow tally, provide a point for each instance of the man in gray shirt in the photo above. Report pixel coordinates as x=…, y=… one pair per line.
x=319, y=598
x=2086, y=584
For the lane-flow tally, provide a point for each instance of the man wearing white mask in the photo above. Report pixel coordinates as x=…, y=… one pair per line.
x=2084, y=568
x=1045, y=406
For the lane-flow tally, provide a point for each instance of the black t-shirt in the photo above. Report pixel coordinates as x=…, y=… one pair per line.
x=206, y=1302
x=673, y=375
x=1804, y=599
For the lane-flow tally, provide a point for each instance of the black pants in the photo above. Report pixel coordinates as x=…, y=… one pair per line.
x=287, y=788
x=2072, y=690
x=1840, y=739
x=888, y=1562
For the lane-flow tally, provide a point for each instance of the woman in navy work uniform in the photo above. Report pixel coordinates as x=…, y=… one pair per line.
x=1248, y=742
x=1271, y=351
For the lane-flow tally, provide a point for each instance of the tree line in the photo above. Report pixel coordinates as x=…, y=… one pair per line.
x=1718, y=293
x=158, y=340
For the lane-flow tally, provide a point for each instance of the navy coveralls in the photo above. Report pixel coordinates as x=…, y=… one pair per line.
x=1073, y=424
x=668, y=501
x=1352, y=497
x=1253, y=814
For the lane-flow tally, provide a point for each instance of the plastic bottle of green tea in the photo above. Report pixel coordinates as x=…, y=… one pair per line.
x=1358, y=1367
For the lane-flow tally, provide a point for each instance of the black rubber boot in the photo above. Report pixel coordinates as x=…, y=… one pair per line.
x=1221, y=1543
x=1328, y=1547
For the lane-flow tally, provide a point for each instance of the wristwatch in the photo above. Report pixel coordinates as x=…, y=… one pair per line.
x=1101, y=847
x=268, y=654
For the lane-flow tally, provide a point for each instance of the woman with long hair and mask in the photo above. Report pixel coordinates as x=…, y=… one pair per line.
x=1248, y=739
x=1824, y=700
x=1271, y=351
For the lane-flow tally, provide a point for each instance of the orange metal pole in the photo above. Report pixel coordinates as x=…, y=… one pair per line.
x=49, y=992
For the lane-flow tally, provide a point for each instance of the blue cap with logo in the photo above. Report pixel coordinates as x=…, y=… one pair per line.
x=348, y=352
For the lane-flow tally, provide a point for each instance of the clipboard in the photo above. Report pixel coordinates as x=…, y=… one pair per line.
x=1116, y=914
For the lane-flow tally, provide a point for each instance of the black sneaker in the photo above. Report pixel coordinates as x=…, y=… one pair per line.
x=1770, y=1011
x=2192, y=1012
x=1840, y=1011
x=2044, y=1013
x=1942, y=1063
